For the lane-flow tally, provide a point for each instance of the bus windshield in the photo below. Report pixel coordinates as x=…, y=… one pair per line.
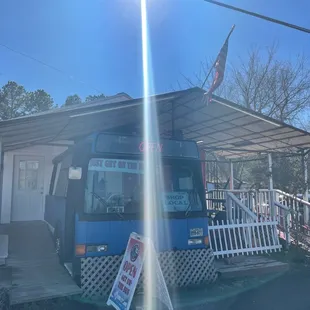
x=116, y=186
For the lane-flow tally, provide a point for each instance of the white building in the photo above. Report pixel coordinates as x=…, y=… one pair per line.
x=29, y=145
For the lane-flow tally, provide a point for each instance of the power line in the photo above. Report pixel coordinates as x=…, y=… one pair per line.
x=270, y=19
x=48, y=66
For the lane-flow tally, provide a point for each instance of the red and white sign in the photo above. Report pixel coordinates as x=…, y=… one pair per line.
x=128, y=274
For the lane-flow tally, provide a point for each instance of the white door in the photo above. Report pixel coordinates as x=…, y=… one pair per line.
x=28, y=188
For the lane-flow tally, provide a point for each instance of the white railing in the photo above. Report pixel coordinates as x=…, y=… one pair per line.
x=216, y=198
x=270, y=205
x=299, y=206
x=262, y=207
x=237, y=210
x=283, y=216
x=230, y=239
x=297, y=218
x=291, y=213
x=285, y=199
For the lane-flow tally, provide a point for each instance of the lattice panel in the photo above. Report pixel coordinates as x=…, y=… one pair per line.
x=4, y=298
x=187, y=267
x=180, y=268
x=98, y=274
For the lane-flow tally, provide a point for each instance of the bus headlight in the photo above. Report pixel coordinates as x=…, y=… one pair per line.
x=196, y=232
x=195, y=241
x=97, y=248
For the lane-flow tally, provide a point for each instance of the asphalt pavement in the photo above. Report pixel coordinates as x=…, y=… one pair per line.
x=290, y=291
x=287, y=291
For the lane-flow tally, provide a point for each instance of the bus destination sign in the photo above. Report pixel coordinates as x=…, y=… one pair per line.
x=133, y=145
x=150, y=147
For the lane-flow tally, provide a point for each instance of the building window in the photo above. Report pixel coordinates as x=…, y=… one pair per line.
x=28, y=175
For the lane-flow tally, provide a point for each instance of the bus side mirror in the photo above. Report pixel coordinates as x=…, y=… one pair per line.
x=75, y=173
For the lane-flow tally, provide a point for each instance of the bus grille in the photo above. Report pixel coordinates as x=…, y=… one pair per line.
x=180, y=269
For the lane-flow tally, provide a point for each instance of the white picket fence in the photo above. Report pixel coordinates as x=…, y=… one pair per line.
x=291, y=213
x=237, y=237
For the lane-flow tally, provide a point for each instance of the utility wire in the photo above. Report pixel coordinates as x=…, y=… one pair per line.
x=48, y=66
x=269, y=19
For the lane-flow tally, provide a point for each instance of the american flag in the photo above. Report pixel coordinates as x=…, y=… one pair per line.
x=219, y=69
x=219, y=66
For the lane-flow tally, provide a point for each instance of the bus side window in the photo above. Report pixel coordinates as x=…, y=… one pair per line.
x=53, y=179
x=185, y=179
x=62, y=175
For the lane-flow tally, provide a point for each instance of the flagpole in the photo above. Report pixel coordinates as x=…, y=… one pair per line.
x=229, y=34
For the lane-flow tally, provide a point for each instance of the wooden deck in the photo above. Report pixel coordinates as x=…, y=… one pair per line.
x=36, y=272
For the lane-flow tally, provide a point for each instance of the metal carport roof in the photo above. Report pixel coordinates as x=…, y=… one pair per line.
x=220, y=125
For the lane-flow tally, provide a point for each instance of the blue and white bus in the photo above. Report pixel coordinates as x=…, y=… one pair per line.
x=96, y=201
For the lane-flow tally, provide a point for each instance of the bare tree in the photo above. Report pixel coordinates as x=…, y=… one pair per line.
x=264, y=83
x=225, y=90
x=274, y=87
x=279, y=89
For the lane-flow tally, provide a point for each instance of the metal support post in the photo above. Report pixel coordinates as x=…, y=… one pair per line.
x=203, y=168
x=231, y=179
x=1, y=177
x=270, y=187
x=306, y=188
x=287, y=229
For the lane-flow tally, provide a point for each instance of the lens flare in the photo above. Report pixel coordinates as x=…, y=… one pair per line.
x=153, y=180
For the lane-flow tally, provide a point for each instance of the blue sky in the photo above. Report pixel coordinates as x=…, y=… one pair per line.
x=99, y=41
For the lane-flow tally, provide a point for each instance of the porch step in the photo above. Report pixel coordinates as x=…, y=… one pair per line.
x=4, y=248
x=249, y=266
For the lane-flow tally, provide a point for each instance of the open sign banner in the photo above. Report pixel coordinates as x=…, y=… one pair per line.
x=128, y=275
